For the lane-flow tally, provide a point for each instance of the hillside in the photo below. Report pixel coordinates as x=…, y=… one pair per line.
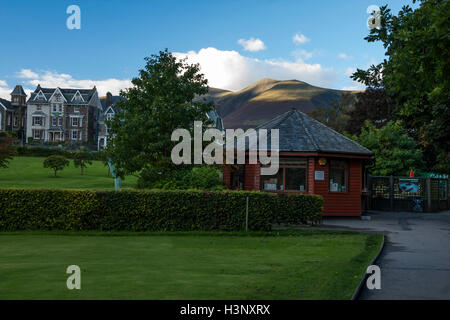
x=267, y=99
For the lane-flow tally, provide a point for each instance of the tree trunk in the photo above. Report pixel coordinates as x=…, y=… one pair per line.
x=82, y=170
x=55, y=172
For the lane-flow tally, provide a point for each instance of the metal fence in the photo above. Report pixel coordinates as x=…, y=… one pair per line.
x=392, y=193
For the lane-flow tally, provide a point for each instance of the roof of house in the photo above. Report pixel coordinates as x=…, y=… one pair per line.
x=114, y=100
x=301, y=133
x=18, y=91
x=67, y=93
x=6, y=104
x=214, y=116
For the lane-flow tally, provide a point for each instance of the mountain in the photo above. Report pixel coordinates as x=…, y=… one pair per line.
x=267, y=99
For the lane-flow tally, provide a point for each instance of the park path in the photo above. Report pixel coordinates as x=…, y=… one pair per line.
x=415, y=263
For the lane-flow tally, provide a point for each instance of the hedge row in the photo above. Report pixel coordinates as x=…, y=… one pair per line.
x=156, y=210
x=46, y=152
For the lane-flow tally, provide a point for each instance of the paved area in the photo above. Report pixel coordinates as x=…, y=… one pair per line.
x=415, y=263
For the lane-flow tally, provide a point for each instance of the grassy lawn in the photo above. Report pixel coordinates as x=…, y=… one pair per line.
x=29, y=172
x=294, y=265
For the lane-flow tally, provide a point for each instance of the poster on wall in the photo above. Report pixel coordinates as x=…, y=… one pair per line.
x=319, y=175
x=408, y=185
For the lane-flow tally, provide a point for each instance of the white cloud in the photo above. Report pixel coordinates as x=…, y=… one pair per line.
x=230, y=70
x=349, y=71
x=3, y=83
x=303, y=54
x=300, y=38
x=357, y=87
x=27, y=74
x=252, y=44
x=343, y=56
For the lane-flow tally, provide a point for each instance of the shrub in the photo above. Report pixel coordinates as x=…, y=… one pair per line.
x=155, y=210
x=202, y=178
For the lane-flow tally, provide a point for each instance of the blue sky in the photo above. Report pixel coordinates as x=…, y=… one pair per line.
x=116, y=35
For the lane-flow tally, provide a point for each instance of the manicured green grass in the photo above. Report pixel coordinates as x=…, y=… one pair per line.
x=29, y=172
x=290, y=265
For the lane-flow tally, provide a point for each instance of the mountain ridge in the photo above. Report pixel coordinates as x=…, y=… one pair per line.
x=266, y=99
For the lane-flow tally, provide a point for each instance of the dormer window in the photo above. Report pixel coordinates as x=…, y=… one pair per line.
x=40, y=96
x=77, y=97
x=76, y=109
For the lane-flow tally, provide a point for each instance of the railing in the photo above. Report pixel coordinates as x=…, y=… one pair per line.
x=419, y=194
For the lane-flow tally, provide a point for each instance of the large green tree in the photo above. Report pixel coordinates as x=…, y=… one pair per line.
x=415, y=73
x=160, y=101
x=396, y=153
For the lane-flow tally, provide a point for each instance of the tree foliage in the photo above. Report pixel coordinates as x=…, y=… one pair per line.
x=82, y=158
x=372, y=104
x=396, y=153
x=336, y=116
x=415, y=73
x=6, y=150
x=160, y=101
x=57, y=163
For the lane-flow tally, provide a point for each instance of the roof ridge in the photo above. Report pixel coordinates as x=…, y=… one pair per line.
x=297, y=113
x=275, y=121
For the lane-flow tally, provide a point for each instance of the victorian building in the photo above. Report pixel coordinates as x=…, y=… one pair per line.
x=57, y=115
x=13, y=113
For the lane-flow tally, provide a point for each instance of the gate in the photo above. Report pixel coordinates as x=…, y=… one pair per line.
x=390, y=193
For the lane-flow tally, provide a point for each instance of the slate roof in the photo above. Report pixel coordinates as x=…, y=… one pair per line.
x=214, y=116
x=6, y=104
x=67, y=93
x=18, y=91
x=301, y=133
x=114, y=100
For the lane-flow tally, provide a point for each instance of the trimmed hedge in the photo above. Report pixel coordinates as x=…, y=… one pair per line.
x=155, y=210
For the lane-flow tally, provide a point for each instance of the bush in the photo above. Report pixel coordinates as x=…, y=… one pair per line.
x=156, y=210
x=202, y=178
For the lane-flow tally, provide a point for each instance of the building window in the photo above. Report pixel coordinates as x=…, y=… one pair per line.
x=338, y=176
x=60, y=108
x=54, y=122
x=54, y=108
x=59, y=121
x=109, y=116
x=15, y=121
x=291, y=176
x=76, y=109
x=37, y=134
x=74, y=122
x=74, y=135
x=37, y=121
x=39, y=108
x=8, y=121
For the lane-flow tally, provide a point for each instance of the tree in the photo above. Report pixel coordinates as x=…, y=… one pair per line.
x=6, y=150
x=372, y=104
x=336, y=116
x=160, y=101
x=57, y=163
x=396, y=153
x=415, y=73
x=82, y=158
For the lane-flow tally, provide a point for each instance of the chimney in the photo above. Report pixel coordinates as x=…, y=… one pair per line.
x=108, y=99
